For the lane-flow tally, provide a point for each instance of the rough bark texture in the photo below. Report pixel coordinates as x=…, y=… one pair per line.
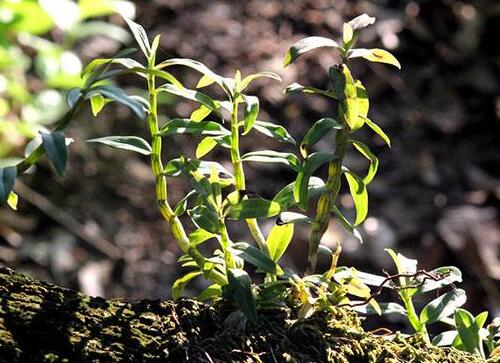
x=40, y=322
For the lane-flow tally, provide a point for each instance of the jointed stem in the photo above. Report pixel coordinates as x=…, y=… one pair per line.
x=327, y=200
x=239, y=176
x=168, y=214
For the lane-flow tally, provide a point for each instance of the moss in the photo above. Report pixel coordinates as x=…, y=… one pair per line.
x=40, y=322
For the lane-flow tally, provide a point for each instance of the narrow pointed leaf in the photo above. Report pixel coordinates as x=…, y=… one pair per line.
x=55, y=147
x=377, y=130
x=240, y=291
x=443, y=306
x=132, y=143
x=73, y=96
x=97, y=102
x=361, y=21
x=292, y=218
x=205, y=218
x=366, y=152
x=469, y=332
x=450, y=275
x=181, y=283
x=248, y=79
x=199, y=236
x=445, y=338
x=7, y=179
x=295, y=87
x=319, y=129
x=140, y=36
x=12, y=200
x=286, y=199
x=250, y=113
x=253, y=208
x=200, y=113
x=269, y=156
x=204, y=81
x=347, y=225
x=277, y=132
x=278, y=240
x=205, y=146
x=190, y=95
x=307, y=44
x=359, y=195
x=117, y=94
x=210, y=292
x=186, y=126
x=375, y=55
x=345, y=89
x=255, y=257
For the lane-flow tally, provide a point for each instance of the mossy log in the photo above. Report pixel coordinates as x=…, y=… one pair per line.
x=40, y=322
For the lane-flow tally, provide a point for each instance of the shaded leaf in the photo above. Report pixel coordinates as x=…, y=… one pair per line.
x=180, y=283
x=73, y=96
x=255, y=257
x=286, y=198
x=190, y=95
x=7, y=180
x=269, y=156
x=295, y=87
x=117, y=94
x=186, y=126
x=210, y=292
x=240, y=291
x=359, y=195
x=206, y=218
x=346, y=224
x=366, y=152
x=319, y=129
x=451, y=274
x=55, y=147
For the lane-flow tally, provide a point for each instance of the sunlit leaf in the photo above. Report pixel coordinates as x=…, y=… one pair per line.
x=443, y=306
x=307, y=44
x=346, y=224
x=445, y=338
x=186, y=126
x=286, y=199
x=375, y=55
x=385, y=308
x=206, y=218
x=346, y=91
x=292, y=218
x=445, y=276
x=347, y=34
x=248, y=79
x=181, y=283
x=205, y=146
x=250, y=112
x=12, y=200
x=200, y=113
x=469, y=331
x=255, y=257
x=97, y=102
x=377, y=130
x=269, y=156
x=140, y=36
x=278, y=240
x=361, y=21
x=190, y=95
x=295, y=87
x=199, y=236
x=132, y=143
x=277, y=132
x=253, y=208
x=359, y=195
x=366, y=152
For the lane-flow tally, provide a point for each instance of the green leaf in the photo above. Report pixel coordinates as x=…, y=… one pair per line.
x=248, y=79
x=295, y=87
x=385, y=308
x=469, y=332
x=240, y=291
x=210, y=292
x=305, y=45
x=250, y=113
x=292, y=218
x=140, y=36
x=253, y=208
x=311, y=164
x=118, y=95
x=132, y=143
x=286, y=199
x=200, y=113
x=346, y=224
x=451, y=274
x=359, y=195
x=186, y=126
x=190, y=95
x=99, y=63
x=443, y=306
x=12, y=200
x=277, y=132
x=199, y=236
x=73, y=96
x=445, y=338
x=181, y=283
x=55, y=147
x=181, y=206
x=319, y=129
x=345, y=89
x=255, y=257
x=206, y=218
x=204, y=81
x=200, y=67
x=97, y=102
x=278, y=240
x=366, y=152
x=7, y=179
x=348, y=33
x=377, y=130
x=363, y=101
x=361, y=21
x=205, y=146
x=269, y=156
x=157, y=73
x=374, y=55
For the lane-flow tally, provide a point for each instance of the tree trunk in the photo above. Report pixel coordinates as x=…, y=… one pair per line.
x=40, y=322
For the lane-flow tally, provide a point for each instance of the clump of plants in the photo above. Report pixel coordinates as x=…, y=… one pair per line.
x=219, y=196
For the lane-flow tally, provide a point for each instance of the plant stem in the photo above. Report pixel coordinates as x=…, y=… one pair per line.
x=327, y=200
x=239, y=177
x=225, y=243
x=414, y=320
x=166, y=211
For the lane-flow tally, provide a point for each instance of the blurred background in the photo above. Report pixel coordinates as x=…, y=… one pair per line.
x=436, y=197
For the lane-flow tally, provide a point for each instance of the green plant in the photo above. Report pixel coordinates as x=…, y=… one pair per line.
x=219, y=196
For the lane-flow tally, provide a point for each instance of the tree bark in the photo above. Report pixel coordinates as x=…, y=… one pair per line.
x=40, y=322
